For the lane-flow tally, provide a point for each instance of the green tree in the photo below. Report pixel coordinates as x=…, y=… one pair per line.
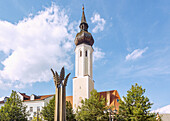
x=48, y=111
x=92, y=109
x=70, y=116
x=13, y=109
x=35, y=119
x=136, y=106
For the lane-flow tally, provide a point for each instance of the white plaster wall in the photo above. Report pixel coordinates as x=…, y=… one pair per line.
x=83, y=82
x=86, y=64
x=83, y=64
x=79, y=90
x=91, y=85
x=35, y=104
x=47, y=100
x=91, y=65
x=82, y=87
x=80, y=72
x=32, y=97
x=21, y=97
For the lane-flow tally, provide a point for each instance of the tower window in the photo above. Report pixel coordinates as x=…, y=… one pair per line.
x=80, y=53
x=86, y=53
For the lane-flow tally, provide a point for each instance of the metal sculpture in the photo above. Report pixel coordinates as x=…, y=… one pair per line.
x=60, y=95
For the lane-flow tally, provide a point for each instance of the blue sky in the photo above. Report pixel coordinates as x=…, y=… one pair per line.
x=132, y=45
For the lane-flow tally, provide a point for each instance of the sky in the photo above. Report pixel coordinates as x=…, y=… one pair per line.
x=132, y=45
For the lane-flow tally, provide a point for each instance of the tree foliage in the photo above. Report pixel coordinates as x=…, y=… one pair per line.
x=70, y=116
x=13, y=109
x=135, y=107
x=92, y=109
x=49, y=109
x=35, y=118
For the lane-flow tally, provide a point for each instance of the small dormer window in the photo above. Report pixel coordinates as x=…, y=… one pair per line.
x=32, y=97
x=86, y=53
x=80, y=53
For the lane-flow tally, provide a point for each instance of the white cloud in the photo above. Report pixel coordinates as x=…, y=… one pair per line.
x=2, y=98
x=98, y=54
x=136, y=54
x=34, y=45
x=163, y=110
x=100, y=22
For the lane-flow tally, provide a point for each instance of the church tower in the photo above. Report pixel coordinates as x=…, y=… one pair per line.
x=83, y=81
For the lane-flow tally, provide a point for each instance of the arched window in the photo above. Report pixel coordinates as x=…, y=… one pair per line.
x=80, y=53
x=86, y=53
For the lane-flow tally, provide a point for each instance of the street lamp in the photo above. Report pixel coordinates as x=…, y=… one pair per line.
x=114, y=112
x=39, y=114
x=110, y=112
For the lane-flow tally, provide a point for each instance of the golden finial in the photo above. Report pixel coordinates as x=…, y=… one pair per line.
x=83, y=7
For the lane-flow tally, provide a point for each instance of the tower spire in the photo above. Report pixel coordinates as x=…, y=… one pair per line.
x=83, y=25
x=84, y=36
x=83, y=18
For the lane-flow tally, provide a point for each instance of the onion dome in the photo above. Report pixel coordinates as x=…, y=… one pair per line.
x=84, y=36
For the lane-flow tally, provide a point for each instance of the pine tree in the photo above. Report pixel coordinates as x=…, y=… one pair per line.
x=135, y=107
x=92, y=109
x=13, y=109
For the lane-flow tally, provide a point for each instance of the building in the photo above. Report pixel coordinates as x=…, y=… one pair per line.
x=83, y=82
x=3, y=102
x=34, y=103
x=165, y=117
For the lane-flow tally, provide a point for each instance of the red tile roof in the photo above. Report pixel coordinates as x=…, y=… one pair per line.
x=39, y=97
x=1, y=102
x=69, y=98
x=113, y=97
x=26, y=97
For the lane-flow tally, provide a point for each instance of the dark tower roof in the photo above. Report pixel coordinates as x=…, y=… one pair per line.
x=84, y=36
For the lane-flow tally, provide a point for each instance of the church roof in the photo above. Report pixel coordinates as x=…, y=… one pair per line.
x=111, y=96
x=84, y=36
